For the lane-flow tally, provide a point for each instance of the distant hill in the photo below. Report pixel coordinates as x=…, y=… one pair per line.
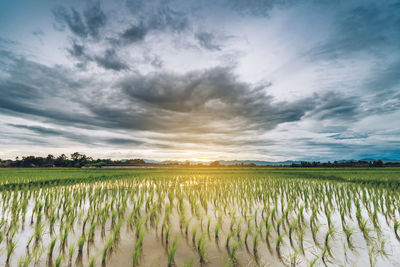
x=261, y=162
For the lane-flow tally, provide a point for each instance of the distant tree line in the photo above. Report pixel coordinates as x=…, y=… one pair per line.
x=360, y=163
x=76, y=160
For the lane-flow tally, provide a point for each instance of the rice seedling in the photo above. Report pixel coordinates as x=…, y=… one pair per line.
x=202, y=247
x=278, y=244
x=71, y=252
x=349, y=232
x=194, y=233
x=217, y=229
x=172, y=251
x=188, y=263
x=167, y=233
x=234, y=250
x=255, y=244
x=59, y=260
x=396, y=225
x=92, y=262
x=228, y=238
x=10, y=250
x=81, y=243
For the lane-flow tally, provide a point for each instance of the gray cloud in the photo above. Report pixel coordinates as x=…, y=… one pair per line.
x=134, y=34
x=201, y=98
x=73, y=20
x=337, y=106
x=49, y=132
x=207, y=40
x=79, y=138
x=77, y=50
x=111, y=61
x=82, y=25
x=370, y=27
x=95, y=19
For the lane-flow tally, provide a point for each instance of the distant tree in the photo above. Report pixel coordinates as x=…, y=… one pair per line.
x=215, y=164
x=61, y=161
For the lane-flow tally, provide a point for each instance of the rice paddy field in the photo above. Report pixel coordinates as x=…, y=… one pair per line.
x=200, y=217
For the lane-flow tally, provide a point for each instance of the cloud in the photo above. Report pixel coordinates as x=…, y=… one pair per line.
x=72, y=20
x=336, y=106
x=168, y=18
x=207, y=40
x=95, y=19
x=134, y=34
x=111, y=61
x=77, y=50
x=212, y=99
x=82, y=25
x=75, y=137
x=369, y=27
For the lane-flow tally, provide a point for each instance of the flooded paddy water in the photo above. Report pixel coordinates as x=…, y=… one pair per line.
x=198, y=217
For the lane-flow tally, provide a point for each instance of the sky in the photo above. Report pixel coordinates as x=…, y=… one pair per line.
x=200, y=80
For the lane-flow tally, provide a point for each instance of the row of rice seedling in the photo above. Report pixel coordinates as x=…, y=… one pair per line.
x=259, y=218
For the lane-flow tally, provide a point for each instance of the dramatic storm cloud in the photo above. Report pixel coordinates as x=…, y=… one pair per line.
x=269, y=80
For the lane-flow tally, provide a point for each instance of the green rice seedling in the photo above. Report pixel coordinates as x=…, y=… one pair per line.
x=246, y=235
x=278, y=244
x=328, y=234
x=349, y=233
x=372, y=257
x=292, y=227
x=194, y=233
x=81, y=243
x=188, y=263
x=228, y=238
x=53, y=219
x=201, y=247
x=314, y=231
x=172, y=251
x=92, y=261
x=71, y=252
x=301, y=240
x=255, y=244
x=313, y=262
x=109, y=246
x=84, y=224
x=234, y=250
x=10, y=250
x=167, y=233
x=91, y=233
x=51, y=247
x=217, y=229
x=25, y=261
x=365, y=230
x=135, y=257
x=278, y=225
x=39, y=228
x=324, y=255
x=187, y=227
x=64, y=237
x=293, y=258
x=117, y=230
x=396, y=226
x=139, y=228
x=59, y=260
